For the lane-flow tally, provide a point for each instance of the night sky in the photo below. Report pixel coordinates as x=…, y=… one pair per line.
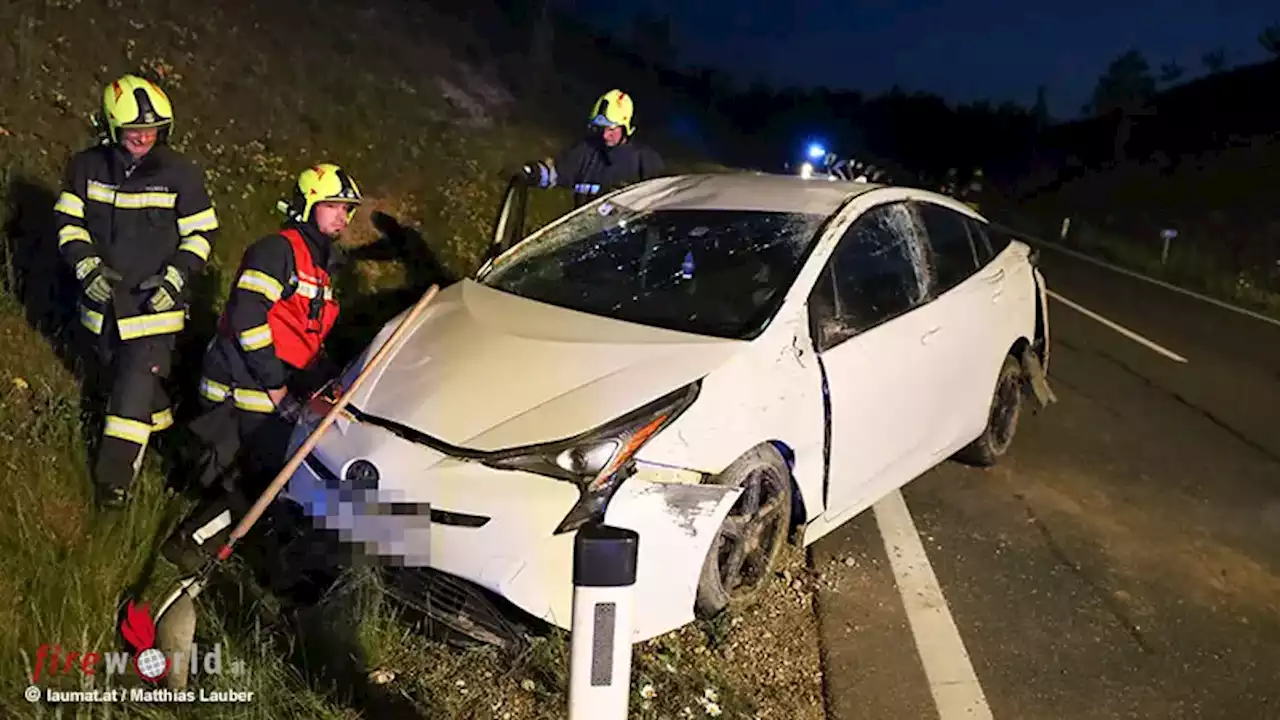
x=964, y=51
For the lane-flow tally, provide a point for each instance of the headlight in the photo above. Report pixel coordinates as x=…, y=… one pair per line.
x=588, y=459
x=599, y=460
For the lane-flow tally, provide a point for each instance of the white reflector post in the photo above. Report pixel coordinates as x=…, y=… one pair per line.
x=604, y=579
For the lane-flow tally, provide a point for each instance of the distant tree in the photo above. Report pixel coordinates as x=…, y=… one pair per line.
x=1270, y=39
x=1010, y=109
x=1215, y=61
x=1171, y=72
x=651, y=38
x=711, y=85
x=1126, y=85
x=1040, y=111
x=1124, y=88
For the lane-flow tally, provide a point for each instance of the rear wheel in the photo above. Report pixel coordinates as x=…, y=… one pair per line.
x=744, y=552
x=1002, y=421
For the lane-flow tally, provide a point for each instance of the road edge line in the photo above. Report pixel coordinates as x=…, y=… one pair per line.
x=1117, y=327
x=952, y=680
x=1155, y=281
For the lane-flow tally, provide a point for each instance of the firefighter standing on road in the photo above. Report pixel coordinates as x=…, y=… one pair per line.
x=272, y=331
x=606, y=159
x=136, y=226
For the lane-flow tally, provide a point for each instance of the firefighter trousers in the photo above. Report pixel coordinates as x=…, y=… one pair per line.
x=243, y=450
x=134, y=373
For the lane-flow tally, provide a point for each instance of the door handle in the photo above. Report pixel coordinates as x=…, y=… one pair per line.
x=995, y=277
x=924, y=339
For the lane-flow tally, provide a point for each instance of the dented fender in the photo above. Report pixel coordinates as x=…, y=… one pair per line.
x=677, y=524
x=1035, y=357
x=1041, y=339
x=1037, y=379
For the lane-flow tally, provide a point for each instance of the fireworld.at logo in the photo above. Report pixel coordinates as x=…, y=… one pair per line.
x=148, y=661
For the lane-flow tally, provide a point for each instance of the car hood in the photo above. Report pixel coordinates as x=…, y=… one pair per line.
x=485, y=369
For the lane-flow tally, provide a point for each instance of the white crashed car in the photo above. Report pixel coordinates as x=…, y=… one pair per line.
x=714, y=361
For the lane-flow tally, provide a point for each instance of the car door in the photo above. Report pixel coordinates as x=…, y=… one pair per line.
x=964, y=302
x=869, y=323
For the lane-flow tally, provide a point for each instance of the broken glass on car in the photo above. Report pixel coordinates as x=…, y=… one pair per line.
x=878, y=271
x=722, y=273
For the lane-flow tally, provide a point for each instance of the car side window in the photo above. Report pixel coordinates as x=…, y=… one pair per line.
x=872, y=277
x=999, y=240
x=987, y=241
x=825, y=325
x=953, y=257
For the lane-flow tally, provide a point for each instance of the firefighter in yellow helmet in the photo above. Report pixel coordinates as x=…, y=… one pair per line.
x=136, y=226
x=605, y=159
x=270, y=340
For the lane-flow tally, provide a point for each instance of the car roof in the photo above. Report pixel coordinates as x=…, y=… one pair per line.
x=742, y=191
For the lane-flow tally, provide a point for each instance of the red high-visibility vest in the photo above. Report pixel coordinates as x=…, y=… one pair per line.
x=301, y=322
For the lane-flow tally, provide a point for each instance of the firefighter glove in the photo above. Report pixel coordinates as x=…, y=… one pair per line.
x=289, y=409
x=98, y=280
x=539, y=174
x=168, y=289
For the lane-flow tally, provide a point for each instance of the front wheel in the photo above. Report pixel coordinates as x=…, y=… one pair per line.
x=1002, y=420
x=745, y=550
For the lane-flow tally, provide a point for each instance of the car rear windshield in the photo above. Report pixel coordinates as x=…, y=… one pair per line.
x=722, y=273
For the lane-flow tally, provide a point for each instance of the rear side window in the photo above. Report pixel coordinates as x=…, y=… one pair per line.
x=988, y=241
x=953, y=257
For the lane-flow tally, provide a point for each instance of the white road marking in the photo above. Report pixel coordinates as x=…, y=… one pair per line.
x=1161, y=283
x=1119, y=328
x=952, y=681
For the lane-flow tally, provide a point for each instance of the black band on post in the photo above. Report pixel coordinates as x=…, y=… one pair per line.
x=605, y=556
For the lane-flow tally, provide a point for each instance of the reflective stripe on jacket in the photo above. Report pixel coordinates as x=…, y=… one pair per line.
x=140, y=221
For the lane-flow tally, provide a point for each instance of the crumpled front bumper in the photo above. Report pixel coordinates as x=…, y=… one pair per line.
x=494, y=527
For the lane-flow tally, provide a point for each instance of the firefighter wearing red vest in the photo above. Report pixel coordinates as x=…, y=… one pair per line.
x=272, y=331
x=136, y=225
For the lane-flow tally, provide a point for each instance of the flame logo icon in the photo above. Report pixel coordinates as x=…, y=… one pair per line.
x=140, y=632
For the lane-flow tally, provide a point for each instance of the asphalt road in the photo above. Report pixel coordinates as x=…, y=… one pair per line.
x=1121, y=563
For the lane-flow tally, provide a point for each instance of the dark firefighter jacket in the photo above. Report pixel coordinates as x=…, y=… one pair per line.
x=280, y=311
x=139, y=221
x=590, y=168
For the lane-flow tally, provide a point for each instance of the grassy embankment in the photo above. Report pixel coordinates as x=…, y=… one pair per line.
x=261, y=92
x=1228, y=243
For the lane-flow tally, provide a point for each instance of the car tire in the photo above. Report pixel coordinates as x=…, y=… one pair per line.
x=1002, y=419
x=757, y=527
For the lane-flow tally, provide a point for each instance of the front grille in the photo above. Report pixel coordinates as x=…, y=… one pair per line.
x=467, y=613
x=371, y=506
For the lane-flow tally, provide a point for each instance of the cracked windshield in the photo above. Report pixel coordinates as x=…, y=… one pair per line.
x=712, y=272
